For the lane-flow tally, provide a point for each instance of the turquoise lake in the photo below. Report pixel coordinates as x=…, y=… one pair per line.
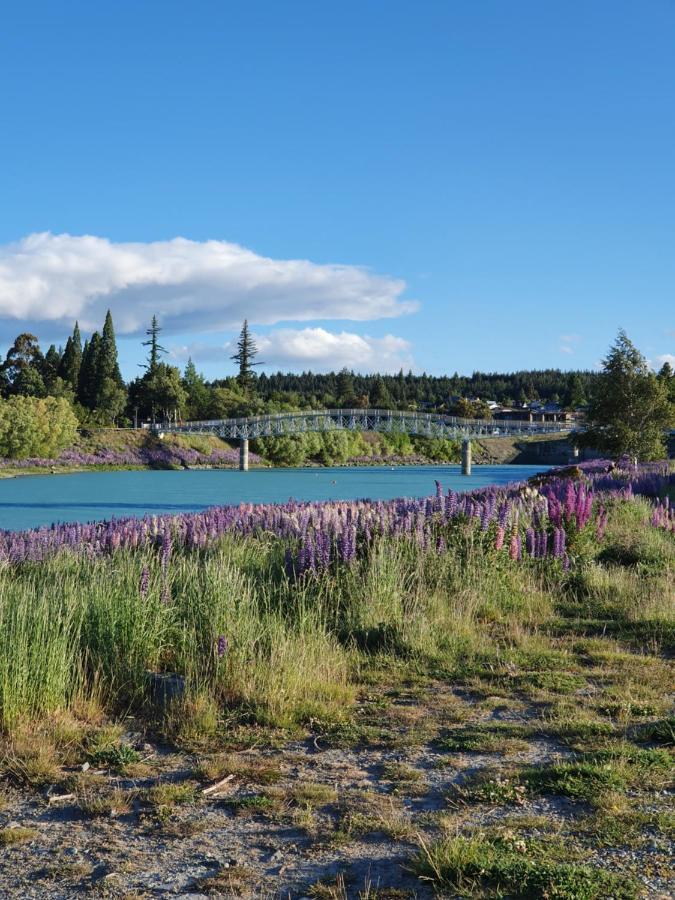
x=26, y=502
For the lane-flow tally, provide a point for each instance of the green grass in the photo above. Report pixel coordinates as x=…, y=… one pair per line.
x=471, y=866
x=73, y=628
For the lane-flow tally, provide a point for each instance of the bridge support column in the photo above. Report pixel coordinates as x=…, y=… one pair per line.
x=243, y=454
x=466, y=457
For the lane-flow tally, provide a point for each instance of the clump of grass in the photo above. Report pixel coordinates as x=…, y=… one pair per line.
x=254, y=804
x=365, y=812
x=97, y=801
x=491, y=786
x=30, y=758
x=245, y=768
x=660, y=732
x=168, y=795
x=468, y=865
x=16, y=835
x=495, y=737
x=591, y=776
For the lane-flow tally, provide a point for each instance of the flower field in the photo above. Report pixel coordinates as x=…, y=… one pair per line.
x=133, y=457
x=472, y=657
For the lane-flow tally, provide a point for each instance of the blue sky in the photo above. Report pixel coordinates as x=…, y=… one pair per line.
x=439, y=185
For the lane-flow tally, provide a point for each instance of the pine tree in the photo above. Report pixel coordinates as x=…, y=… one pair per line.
x=380, y=398
x=345, y=388
x=107, y=364
x=198, y=395
x=50, y=366
x=156, y=350
x=246, y=353
x=87, y=384
x=71, y=360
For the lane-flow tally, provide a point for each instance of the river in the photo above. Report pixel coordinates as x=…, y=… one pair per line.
x=26, y=502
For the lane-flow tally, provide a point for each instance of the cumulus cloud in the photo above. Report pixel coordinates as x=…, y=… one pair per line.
x=314, y=349
x=190, y=285
x=665, y=358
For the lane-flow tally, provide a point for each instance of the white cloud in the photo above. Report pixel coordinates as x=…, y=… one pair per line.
x=665, y=358
x=568, y=342
x=316, y=349
x=190, y=285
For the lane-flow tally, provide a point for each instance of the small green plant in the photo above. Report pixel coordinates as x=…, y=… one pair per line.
x=466, y=865
x=116, y=757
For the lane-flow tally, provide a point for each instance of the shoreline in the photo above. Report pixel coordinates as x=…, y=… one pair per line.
x=76, y=470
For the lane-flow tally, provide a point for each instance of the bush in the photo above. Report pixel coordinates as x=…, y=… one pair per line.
x=33, y=426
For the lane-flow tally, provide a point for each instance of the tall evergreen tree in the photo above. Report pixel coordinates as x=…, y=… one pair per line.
x=246, y=353
x=380, y=398
x=87, y=383
x=345, y=388
x=71, y=360
x=107, y=363
x=197, y=393
x=156, y=350
x=50, y=366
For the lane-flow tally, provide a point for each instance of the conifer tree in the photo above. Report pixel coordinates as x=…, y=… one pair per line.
x=156, y=350
x=87, y=386
x=246, y=353
x=71, y=360
x=107, y=364
x=50, y=366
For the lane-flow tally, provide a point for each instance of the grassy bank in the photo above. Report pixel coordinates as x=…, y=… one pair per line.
x=514, y=712
x=109, y=449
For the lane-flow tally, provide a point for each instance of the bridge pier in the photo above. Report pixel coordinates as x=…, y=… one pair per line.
x=243, y=454
x=466, y=457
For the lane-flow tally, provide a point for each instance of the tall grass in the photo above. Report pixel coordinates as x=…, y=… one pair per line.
x=74, y=627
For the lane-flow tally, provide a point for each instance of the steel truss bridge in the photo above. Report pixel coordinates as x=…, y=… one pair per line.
x=432, y=425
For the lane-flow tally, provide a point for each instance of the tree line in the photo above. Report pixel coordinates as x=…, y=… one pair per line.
x=85, y=375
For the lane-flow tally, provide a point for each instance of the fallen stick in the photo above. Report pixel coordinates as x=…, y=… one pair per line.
x=61, y=798
x=215, y=787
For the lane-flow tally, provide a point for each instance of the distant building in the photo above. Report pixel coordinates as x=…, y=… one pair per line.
x=549, y=412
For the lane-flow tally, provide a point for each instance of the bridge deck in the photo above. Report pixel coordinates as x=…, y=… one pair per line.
x=414, y=423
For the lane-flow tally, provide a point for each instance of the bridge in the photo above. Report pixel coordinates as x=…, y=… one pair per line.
x=433, y=425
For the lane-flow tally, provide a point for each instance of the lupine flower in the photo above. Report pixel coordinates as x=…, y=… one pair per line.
x=515, y=550
x=144, y=583
x=530, y=542
x=221, y=646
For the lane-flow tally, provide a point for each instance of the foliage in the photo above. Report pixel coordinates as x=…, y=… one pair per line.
x=22, y=368
x=156, y=350
x=32, y=426
x=244, y=357
x=71, y=360
x=630, y=408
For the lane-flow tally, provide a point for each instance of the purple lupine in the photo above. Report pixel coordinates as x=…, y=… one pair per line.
x=530, y=541
x=166, y=545
x=221, y=646
x=144, y=583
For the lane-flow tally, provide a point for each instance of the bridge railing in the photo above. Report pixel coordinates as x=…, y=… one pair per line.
x=372, y=419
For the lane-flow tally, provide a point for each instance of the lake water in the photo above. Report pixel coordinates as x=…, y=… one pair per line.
x=26, y=502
